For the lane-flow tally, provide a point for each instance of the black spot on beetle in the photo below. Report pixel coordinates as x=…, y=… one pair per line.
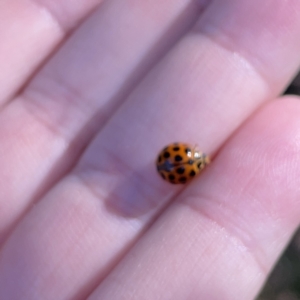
x=182, y=179
x=192, y=173
x=178, y=158
x=166, y=154
x=180, y=170
x=171, y=177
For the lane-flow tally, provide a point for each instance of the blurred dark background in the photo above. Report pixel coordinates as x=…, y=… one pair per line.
x=284, y=281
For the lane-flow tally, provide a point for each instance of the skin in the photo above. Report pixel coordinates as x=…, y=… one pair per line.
x=90, y=92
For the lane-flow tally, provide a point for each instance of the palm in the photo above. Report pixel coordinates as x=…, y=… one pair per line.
x=79, y=134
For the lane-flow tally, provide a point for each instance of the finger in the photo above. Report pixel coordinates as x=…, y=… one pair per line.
x=115, y=193
x=226, y=230
x=97, y=68
x=74, y=95
x=29, y=32
x=267, y=47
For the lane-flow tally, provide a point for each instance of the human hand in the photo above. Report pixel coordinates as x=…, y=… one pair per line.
x=82, y=210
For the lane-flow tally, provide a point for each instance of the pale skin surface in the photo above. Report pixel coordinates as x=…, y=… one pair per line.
x=83, y=213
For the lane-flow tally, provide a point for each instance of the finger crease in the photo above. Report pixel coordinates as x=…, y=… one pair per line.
x=243, y=245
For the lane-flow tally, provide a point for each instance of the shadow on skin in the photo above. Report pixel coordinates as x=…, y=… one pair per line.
x=135, y=197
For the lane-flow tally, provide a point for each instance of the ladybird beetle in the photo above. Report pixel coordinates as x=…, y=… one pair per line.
x=179, y=162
